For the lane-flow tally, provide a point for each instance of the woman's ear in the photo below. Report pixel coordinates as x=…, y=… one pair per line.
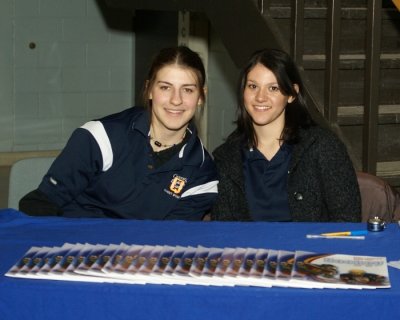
x=146, y=87
x=201, y=102
x=292, y=98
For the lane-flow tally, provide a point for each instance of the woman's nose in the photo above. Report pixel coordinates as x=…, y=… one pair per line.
x=176, y=98
x=262, y=94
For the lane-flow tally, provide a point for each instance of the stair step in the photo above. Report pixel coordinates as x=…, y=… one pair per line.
x=350, y=61
x=389, y=171
x=352, y=34
x=312, y=4
x=356, y=13
x=323, y=3
x=353, y=115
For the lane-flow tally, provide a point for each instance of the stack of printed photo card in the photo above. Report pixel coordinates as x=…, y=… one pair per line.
x=162, y=264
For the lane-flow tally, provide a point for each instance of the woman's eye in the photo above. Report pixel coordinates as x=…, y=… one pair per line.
x=251, y=86
x=273, y=88
x=188, y=90
x=164, y=87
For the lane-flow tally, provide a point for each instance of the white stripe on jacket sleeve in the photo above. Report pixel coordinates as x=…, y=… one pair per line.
x=97, y=130
x=209, y=187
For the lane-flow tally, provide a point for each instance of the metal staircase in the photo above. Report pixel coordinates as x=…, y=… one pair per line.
x=348, y=52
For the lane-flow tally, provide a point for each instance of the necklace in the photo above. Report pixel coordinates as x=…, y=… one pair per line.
x=161, y=145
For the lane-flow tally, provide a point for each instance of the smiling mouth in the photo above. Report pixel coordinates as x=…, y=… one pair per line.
x=262, y=108
x=171, y=111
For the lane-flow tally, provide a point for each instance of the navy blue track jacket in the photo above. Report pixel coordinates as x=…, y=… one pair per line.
x=106, y=170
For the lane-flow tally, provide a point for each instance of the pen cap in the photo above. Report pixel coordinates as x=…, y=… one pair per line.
x=359, y=233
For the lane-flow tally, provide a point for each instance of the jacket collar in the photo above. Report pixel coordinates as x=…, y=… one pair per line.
x=192, y=152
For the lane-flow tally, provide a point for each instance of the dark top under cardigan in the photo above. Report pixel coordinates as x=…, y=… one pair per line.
x=321, y=183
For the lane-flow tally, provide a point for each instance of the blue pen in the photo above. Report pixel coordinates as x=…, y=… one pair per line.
x=347, y=233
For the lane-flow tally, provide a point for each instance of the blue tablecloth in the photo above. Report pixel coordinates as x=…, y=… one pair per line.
x=45, y=299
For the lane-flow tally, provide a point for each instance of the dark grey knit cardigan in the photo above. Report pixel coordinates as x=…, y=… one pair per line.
x=322, y=184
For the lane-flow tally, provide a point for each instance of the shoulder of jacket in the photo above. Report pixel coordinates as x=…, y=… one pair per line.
x=122, y=122
x=316, y=139
x=319, y=135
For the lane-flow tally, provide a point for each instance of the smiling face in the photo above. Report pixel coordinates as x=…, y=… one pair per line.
x=263, y=98
x=175, y=94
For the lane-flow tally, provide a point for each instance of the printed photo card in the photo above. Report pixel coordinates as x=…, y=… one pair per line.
x=199, y=265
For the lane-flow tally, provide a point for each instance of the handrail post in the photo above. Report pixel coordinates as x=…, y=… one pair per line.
x=297, y=24
x=260, y=4
x=372, y=86
x=332, y=61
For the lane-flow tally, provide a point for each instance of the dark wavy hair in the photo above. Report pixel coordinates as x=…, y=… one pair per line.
x=181, y=56
x=287, y=75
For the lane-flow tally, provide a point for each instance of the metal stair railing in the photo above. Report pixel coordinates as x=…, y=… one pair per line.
x=371, y=89
x=372, y=70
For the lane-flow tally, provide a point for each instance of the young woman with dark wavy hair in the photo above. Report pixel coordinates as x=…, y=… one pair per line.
x=279, y=165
